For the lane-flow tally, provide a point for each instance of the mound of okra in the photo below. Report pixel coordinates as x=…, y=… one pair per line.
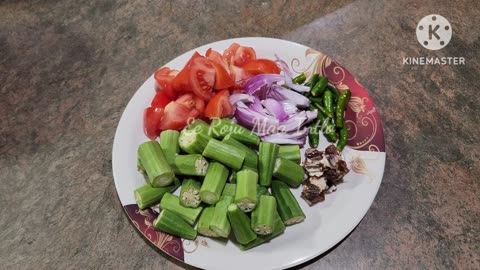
x=230, y=183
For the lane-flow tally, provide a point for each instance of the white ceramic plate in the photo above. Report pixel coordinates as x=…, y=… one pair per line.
x=327, y=223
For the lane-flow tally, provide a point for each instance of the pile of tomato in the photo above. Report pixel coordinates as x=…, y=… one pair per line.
x=202, y=88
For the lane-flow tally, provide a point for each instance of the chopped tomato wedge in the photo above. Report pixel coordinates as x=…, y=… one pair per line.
x=223, y=79
x=202, y=77
x=175, y=116
x=239, y=76
x=259, y=66
x=244, y=55
x=216, y=57
x=181, y=82
x=219, y=106
x=160, y=100
x=229, y=53
x=164, y=78
x=151, y=122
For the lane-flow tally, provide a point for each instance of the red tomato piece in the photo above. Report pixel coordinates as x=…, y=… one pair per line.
x=244, y=55
x=239, y=76
x=259, y=66
x=164, y=81
x=202, y=77
x=223, y=79
x=219, y=106
x=160, y=100
x=151, y=121
x=229, y=53
x=181, y=82
x=216, y=57
x=175, y=116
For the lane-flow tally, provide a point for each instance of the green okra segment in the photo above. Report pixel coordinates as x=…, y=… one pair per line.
x=267, y=152
x=246, y=192
x=204, y=222
x=240, y=224
x=278, y=228
x=169, y=145
x=146, y=195
x=213, y=183
x=151, y=156
x=199, y=126
x=232, y=178
x=251, y=157
x=261, y=191
x=222, y=127
x=263, y=215
x=288, y=171
x=228, y=155
x=171, y=223
x=190, y=193
x=287, y=205
x=172, y=203
x=290, y=152
x=193, y=141
x=229, y=189
x=219, y=223
x=193, y=164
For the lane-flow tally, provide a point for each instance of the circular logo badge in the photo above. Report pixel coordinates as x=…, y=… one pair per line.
x=434, y=32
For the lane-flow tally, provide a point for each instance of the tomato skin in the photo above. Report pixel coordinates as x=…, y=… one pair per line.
x=202, y=77
x=164, y=81
x=219, y=106
x=181, y=82
x=223, y=79
x=239, y=76
x=259, y=66
x=229, y=53
x=160, y=100
x=175, y=117
x=216, y=57
x=152, y=118
x=244, y=55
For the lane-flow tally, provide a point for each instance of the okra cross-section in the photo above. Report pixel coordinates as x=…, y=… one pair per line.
x=246, y=192
x=213, y=183
x=263, y=215
x=172, y=203
x=226, y=154
x=193, y=141
x=190, y=193
x=194, y=164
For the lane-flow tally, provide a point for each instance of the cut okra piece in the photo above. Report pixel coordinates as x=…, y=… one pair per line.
x=263, y=215
x=229, y=189
x=240, y=224
x=228, y=155
x=222, y=127
x=251, y=157
x=204, y=221
x=199, y=126
x=146, y=195
x=287, y=205
x=172, y=203
x=290, y=152
x=246, y=193
x=278, y=228
x=169, y=222
x=193, y=142
x=169, y=145
x=213, y=183
x=190, y=193
x=288, y=171
x=267, y=152
x=151, y=156
x=193, y=164
x=261, y=191
x=220, y=224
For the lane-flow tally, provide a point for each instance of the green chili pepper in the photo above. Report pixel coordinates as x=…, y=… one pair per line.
x=334, y=91
x=317, y=100
x=329, y=130
x=314, y=80
x=328, y=103
x=319, y=108
x=307, y=94
x=341, y=106
x=299, y=79
x=342, y=141
x=313, y=134
x=318, y=89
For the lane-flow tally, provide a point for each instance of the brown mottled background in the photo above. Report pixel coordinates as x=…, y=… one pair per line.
x=68, y=69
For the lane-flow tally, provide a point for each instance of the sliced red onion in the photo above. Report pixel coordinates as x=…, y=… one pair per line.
x=240, y=104
x=284, y=67
x=280, y=93
x=245, y=98
x=274, y=108
x=298, y=87
x=256, y=121
x=255, y=83
x=256, y=105
x=289, y=107
x=280, y=138
x=295, y=122
x=311, y=115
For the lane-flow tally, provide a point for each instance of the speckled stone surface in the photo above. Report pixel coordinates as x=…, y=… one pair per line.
x=68, y=69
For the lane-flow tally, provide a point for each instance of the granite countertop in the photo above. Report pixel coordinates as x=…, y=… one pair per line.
x=68, y=69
